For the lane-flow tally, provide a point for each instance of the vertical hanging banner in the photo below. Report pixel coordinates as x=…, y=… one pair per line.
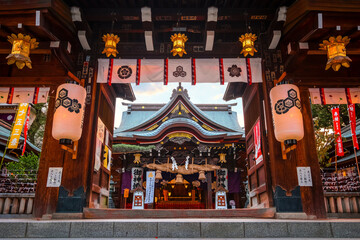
x=18, y=126
x=150, y=187
x=337, y=131
x=136, y=177
x=352, y=118
x=222, y=178
x=26, y=128
x=257, y=143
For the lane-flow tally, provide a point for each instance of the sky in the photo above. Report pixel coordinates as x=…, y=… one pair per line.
x=210, y=93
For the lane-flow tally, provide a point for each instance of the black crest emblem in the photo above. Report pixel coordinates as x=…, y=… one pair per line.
x=282, y=106
x=124, y=72
x=63, y=100
x=179, y=72
x=234, y=71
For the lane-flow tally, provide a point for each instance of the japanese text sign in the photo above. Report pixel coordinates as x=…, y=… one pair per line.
x=18, y=126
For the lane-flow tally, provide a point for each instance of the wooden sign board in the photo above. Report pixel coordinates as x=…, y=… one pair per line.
x=221, y=202
x=138, y=200
x=304, y=176
x=54, y=177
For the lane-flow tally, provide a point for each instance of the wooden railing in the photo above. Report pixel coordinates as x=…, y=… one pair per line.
x=16, y=203
x=342, y=202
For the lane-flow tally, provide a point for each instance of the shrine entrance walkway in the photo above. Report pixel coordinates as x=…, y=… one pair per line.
x=180, y=228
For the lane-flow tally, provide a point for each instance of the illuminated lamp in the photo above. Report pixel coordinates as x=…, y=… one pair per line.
x=21, y=45
x=178, y=44
x=158, y=175
x=179, y=179
x=110, y=44
x=247, y=41
x=189, y=193
x=336, y=52
x=69, y=113
x=137, y=158
x=202, y=176
x=286, y=112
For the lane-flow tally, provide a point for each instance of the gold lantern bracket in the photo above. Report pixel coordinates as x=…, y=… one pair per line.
x=73, y=150
x=285, y=150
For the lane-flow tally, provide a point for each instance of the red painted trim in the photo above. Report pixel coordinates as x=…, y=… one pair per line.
x=138, y=67
x=322, y=96
x=110, y=71
x=11, y=95
x=194, y=72
x=348, y=96
x=36, y=95
x=222, y=80
x=249, y=71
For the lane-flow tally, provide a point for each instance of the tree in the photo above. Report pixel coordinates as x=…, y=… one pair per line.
x=26, y=167
x=36, y=131
x=323, y=127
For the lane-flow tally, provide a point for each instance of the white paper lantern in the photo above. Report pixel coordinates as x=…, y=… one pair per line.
x=69, y=113
x=286, y=112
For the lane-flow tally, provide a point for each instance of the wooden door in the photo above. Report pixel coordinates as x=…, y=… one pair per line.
x=101, y=162
x=258, y=172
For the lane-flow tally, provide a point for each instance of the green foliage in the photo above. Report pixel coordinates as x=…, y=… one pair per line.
x=26, y=167
x=324, y=139
x=128, y=148
x=36, y=130
x=323, y=126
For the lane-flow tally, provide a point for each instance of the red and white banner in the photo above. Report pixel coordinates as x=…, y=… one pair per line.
x=33, y=95
x=352, y=118
x=180, y=70
x=337, y=132
x=333, y=95
x=257, y=143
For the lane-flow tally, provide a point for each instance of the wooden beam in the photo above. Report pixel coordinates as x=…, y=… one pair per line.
x=31, y=81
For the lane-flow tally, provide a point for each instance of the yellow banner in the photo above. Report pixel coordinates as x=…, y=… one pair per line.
x=106, y=154
x=18, y=125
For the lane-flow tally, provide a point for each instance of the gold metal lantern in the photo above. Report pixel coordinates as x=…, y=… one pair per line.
x=110, y=44
x=178, y=44
x=222, y=157
x=21, y=45
x=336, y=52
x=247, y=41
x=137, y=158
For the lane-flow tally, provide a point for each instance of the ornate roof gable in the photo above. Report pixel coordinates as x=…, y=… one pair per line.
x=180, y=106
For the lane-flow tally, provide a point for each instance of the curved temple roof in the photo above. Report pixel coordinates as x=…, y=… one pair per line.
x=153, y=122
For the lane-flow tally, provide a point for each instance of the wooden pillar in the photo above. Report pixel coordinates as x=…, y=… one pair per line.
x=286, y=192
x=51, y=156
x=71, y=196
x=306, y=155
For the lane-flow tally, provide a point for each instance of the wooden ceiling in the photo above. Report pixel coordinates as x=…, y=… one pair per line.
x=124, y=18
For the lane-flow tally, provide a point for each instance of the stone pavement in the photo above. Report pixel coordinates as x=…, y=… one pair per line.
x=180, y=228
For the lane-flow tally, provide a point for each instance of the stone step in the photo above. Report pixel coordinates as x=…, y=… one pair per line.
x=180, y=228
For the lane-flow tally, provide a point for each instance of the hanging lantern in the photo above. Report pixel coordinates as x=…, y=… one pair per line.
x=247, y=41
x=178, y=44
x=286, y=112
x=336, y=52
x=222, y=157
x=179, y=179
x=202, y=176
x=158, y=175
x=137, y=158
x=69, y=113
x=21, y=45
x=110, y=44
